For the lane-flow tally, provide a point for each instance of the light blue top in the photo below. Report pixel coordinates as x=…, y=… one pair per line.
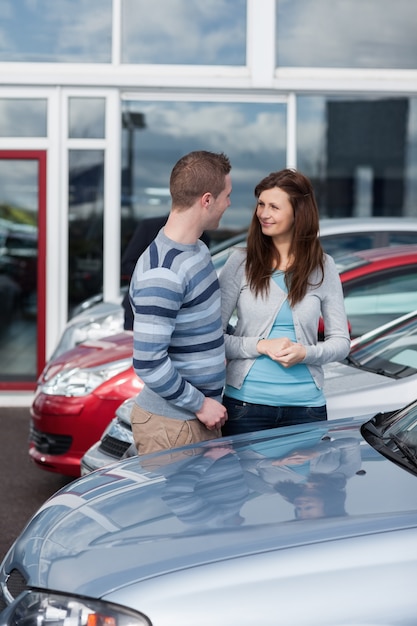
x=268, y=382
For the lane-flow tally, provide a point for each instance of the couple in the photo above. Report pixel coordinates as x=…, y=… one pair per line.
x=279, y=285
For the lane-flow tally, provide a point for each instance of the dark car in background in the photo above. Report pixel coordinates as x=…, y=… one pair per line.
x=18, y=270
x=307, y=525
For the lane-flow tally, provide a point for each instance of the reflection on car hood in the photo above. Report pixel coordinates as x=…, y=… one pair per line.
x=135, y=520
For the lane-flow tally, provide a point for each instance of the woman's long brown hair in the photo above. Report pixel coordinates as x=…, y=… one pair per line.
x=306, y=249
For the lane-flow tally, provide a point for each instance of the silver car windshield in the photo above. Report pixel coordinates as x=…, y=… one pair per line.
x=392, y=352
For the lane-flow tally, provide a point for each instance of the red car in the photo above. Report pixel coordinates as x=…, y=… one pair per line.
x=76, y=398
x=79, y=391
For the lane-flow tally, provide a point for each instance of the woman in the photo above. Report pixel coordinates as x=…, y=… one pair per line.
x=279, y=286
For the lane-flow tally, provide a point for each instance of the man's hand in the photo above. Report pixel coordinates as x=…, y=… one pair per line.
x=212, y=414
x=218, y=452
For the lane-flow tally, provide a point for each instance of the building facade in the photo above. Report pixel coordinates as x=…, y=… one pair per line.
x=99, y=98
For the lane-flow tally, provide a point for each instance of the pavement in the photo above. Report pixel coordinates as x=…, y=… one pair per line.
x=23, y=486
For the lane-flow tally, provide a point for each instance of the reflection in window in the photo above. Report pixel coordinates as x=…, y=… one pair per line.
x=212, y=32
x=360, y=153
x=18, y=269
x=157, y=134
x=85, y=244
x=56, y=31
x=22, y=118
x=86, y=118
x=347, y=33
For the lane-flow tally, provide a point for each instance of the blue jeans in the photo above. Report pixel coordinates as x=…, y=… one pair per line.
x=244, y=417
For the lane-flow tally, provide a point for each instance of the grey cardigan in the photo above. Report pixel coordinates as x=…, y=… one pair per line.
x=256, y=315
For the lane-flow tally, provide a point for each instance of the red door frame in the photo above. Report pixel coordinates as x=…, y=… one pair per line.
x=40, y=157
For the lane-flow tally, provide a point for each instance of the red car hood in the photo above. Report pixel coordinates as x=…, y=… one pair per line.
x=91, y=354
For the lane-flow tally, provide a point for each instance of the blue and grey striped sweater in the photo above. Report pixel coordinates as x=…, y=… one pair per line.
x=178, y=348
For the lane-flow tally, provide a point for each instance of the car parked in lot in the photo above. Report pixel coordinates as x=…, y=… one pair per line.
x=76, y=397
x=79, y=391
x=308, y=525
x=380, y=373
x=378, y=285
x=115, y=443
x=339, y=236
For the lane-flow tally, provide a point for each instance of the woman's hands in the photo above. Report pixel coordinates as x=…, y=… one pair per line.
x=282, y=350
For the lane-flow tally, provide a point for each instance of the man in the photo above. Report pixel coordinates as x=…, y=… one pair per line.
x=144, y=234
x=178, y=348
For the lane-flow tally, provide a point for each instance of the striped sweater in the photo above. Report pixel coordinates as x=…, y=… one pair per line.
x=178, y=345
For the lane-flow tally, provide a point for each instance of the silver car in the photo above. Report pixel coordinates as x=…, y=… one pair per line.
x=311, y=525
x=115, y=443
x=380, y=372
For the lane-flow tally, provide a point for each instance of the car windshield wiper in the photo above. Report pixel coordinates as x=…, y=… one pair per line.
x=405, y=456
x=389, y=369
x=408, y=452
x=377, y=370
x=352, y=361
x=383, y=367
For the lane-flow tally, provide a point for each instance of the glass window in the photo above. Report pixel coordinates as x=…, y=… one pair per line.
x=18, y=269
x=212, y=32
x=390, y=349
x=86, y=118
x=85, y=244
x=380, y=298
x=361, y=154
x=22, y=118
x=347, y=33
x=157, y=134
x=60, y=31
x=340, y=245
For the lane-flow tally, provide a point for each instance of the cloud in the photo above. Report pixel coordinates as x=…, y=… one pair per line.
x=252, y=135
x=361, y=34
x=40, y=30
x=210, y=32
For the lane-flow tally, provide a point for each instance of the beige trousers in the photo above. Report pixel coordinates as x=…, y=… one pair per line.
x=153, y=433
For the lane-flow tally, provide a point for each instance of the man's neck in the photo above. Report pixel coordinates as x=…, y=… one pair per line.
x=182, y=227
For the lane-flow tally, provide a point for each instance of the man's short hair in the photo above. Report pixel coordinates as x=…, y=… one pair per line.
x=197, y=173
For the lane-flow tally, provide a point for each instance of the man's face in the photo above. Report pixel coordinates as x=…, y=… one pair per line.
x=220, y=203
x=308, y=507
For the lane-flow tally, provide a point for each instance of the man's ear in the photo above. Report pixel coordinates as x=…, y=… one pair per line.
x=206, y=199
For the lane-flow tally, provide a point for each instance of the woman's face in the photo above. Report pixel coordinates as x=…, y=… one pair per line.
x=275, y=214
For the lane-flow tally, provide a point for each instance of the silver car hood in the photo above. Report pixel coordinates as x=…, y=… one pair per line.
x=352, y=392
x=130, y=522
